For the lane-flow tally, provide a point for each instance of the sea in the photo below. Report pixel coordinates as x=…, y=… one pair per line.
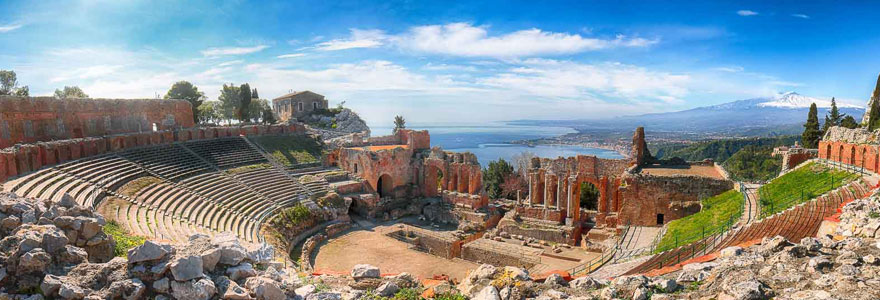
x=492, y=142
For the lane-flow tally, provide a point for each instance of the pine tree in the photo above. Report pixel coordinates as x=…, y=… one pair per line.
x=254, y=94
x=834, y=114
x=399, y=123
x=874, y=116
x=811, y=133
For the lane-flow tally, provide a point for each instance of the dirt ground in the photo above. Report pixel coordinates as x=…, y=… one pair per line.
x=706, y=171
x=361, y=246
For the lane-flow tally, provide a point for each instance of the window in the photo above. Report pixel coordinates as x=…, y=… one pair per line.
x=314, y=105
x=300, y=106
x=355, y=168
x=659, y=219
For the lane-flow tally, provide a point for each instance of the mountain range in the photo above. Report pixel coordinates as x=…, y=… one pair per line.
x=780, y=114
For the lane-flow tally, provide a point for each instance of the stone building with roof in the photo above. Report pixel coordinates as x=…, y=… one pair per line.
x=298, y=104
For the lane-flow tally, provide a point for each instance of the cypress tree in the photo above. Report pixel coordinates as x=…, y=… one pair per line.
x=811, y=137
x=834, y=114
x=245, y=102
x=874, y=116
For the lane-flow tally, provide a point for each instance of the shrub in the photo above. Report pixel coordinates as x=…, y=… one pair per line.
x=124, y=240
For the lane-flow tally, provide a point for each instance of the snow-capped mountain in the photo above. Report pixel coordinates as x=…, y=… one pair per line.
x=780, y=114
x=795, y=100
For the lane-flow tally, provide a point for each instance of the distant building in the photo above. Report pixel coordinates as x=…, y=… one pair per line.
x=298, y=104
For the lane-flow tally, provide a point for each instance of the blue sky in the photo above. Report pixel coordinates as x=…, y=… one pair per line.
x=445, y=62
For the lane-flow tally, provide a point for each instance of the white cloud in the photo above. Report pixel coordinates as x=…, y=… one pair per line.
x=231, y=62
x=359, y=39
x=802, y=16
x=87, y=72
x=747, y=13
x=233, y=50
x=463, y=39
x=291, y=55
x=447, y=67
x=730, y=69
x=10, y=27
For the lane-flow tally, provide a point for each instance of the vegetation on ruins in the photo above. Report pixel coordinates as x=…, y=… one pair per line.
x=399, y=123
x=184, y=90
x=753, y=163
x=494, y=176
x=589, y=196
x=238, y=103
x=811, y=134
x=833, y=118
x=800, y=185
x=9, y=84
x=292, y=150
x=131, y=188
x=716, y=213
x=244, y=98
x=873, y=120
x=70, y=92
x=243, y=169
x=124, y=240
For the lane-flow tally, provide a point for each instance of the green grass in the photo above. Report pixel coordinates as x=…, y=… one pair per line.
x=243, y=169
x=133, y=187
x=800, y=185
x=715, y=214
x=292, y=150
x=124, y=240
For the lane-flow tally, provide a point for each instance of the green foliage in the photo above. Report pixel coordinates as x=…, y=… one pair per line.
x=399, y=123
x=245, y=97
x=260, y=112
x=9, y=84
x=753, y=163
x=800, y=185
x=450, y=296
x=811, y=134
x=589, y=196
x=70, y=92
x=718, y=150
x=407, y=294
x=242, y=169
x=849, y=122
x=494, y=176
x=230, y=99
x=291, y=150
x=715, y=214
x=210, y=112
x=184, y=90
x=296, y=214
x=873, y=120
x=124, y=240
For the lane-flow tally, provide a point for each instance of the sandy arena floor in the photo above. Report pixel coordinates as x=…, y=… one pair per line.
x=390, y=255
x=705, y=171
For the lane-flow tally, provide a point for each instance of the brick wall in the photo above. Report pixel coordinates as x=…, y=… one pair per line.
x=646, y=196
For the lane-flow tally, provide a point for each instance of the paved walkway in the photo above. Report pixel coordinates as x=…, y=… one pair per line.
x=752, y=203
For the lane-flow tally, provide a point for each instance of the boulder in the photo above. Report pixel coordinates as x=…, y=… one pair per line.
x=199, y=289
x=364, y=271
x=555, y=280
x=162, y=285
x=746, y=290
x=149, y=251
x=71, y=291
x=731, y=251
x=306, y=290
x=35, y=260
x=130, y=289
x=54, y=239
x=585, y=283
x=488, y=293
x=210, y=258
x=231, y=250
x=265, y=288
x=186, y=268
x=51, y=284
x=387, y=289
x=242, y=271
x=235, y=292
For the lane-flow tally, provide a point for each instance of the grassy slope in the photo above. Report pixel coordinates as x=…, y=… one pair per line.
x=291, y=150
x=715, y=213
x=810, y=181
x=124, y=240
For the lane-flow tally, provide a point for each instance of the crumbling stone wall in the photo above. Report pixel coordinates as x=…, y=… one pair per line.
x=21, y=159
x=646, y=196
x=33, y=119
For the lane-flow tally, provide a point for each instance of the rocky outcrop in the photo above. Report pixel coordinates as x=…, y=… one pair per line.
x=852, y=136
x=346, y=122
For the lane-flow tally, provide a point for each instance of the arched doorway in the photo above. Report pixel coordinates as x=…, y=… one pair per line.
x=385, y=186
x=589, y=195
x=828, y=152
x=852, y=156
x=433, y=182
x=864, y=157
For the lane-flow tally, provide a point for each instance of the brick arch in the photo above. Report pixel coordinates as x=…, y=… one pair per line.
x=603, y=204
x=385, y=185
x=851, y=155
x=828, y=151
x=434, y=180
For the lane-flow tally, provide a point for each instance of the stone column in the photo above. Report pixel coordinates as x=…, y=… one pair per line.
x=571, y=190
x=559, y=191
x=531, y=188
x=546, y=191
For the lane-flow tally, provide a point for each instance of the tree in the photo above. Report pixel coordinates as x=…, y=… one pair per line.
x=184, y=90
x=513, y=183
x=210, y=111
x=494, y=176
x=254, y=94
x=834, y=117
x=9, y=84
x=245, y=104
x=70, y=92
x=811, y=137
x=399, y=123
x=230, y=99
x=522, y=162
x=849, y=122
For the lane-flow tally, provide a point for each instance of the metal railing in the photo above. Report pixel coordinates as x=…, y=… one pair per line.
x=606, y=256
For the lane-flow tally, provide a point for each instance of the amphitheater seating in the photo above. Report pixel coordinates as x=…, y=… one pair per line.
x=169, y=162
x=226, y=152
x=794, y=224
x=274, y=184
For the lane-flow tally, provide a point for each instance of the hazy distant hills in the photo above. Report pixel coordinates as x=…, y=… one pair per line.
x=782, y=114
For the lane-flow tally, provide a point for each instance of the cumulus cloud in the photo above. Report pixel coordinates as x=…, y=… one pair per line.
x=746, y=13
x=359, y=39
x=463, y=39
x=222, y=51
x=802, y=16
x=10, y=27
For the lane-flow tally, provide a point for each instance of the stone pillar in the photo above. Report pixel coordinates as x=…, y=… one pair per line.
x=559, y=191
x=531, y=186
x=571, y=190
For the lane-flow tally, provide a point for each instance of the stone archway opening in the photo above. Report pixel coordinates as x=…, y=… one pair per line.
x=852, y=156
x=828, y=151
x=864, y=157
x=385, y=186
x=589, y=195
